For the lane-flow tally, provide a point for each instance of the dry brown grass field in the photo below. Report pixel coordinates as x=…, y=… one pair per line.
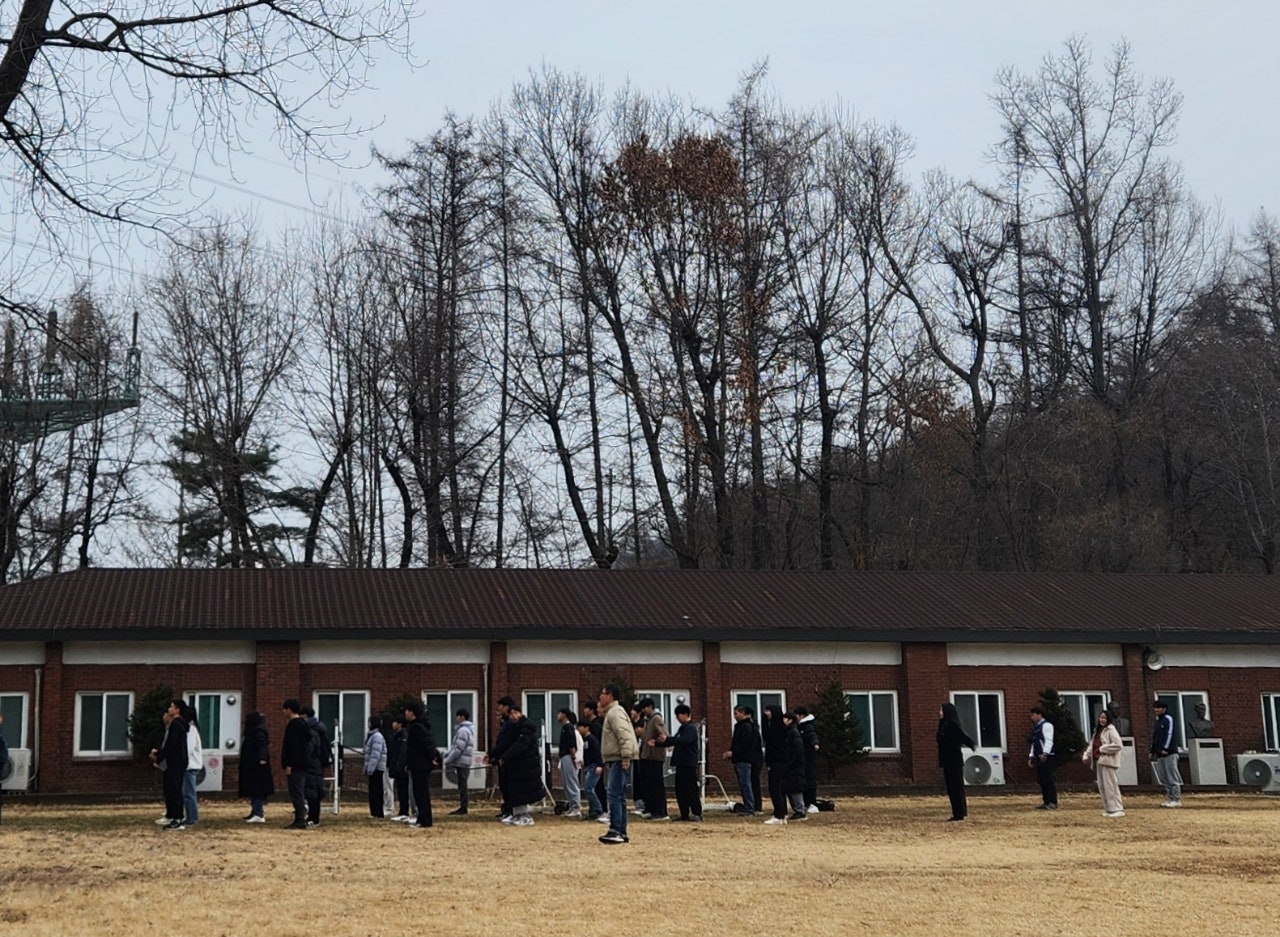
x=877, y=866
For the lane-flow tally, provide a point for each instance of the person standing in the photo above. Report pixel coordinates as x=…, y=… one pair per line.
x=1043, y=758
x=293, y=758
x=591, y=716
x=521, y=766
x=171, y=758
x=774, y=734
x=505, y=736
x=319, y=757
x=375, y=766
x=4, y=758
x=570, y=763
x=195, y=762
x=651, y=783
x=255, y=780
x=420, y=757
x=1164, y=755
x=617, y=748
x=459, y=757
x=1104, y=752
x=746, y=753
x=592, y=771
x=952, y=740
x=684, y=758
x=809, y=735
x=793, y=783
x=397, y=767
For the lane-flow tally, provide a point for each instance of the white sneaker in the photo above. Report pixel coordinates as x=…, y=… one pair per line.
x=603, y=818
x=1174, y=803
x=509, y=819
x=775, y=821
x=812, y=808
x=523, y=821
x=399, y=818
x=1114, y=814
x=163, y=821
x=576, y=815
x=256, y=818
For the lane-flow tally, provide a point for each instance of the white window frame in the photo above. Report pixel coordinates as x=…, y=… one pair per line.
x=15, y=733
x=756, y=703
x=1082, y=697
x=453, y=701
x=551, y=728
x=976, y=734
x=228, y=719
x=1271, y=721
x=99, y=751
x=1185, y=705
x=348, y=738
x=869, y=730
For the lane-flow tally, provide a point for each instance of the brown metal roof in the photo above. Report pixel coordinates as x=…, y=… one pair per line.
x=701, y=604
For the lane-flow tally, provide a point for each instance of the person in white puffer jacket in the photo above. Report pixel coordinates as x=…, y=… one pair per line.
x=195, y=762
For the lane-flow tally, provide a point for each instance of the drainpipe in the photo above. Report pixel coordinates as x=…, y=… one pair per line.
x=35, y=731
x=485, y=704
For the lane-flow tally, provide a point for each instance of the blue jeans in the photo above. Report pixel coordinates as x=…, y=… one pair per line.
x=743, y=770
x=257, y=806
x=589, y=784
x=189, y=801
x=617, y=791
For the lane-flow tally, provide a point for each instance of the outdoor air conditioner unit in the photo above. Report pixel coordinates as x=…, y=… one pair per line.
x=984, y=766
x=15, y=774
x=1260, y=770
x=209, y=778
x=475, y=780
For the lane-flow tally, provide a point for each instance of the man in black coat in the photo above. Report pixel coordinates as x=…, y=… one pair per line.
x=520, y=764
x=809, y=735
x=421, y=756
x=506, y=736
x=746, y=753
x=684, y=758
x=293, y=758
x=171, y=758
x=398, y=767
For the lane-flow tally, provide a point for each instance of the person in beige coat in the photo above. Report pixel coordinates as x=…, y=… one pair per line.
x=1103, y=752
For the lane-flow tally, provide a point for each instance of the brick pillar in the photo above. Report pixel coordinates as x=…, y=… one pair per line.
x=1137, y=698
x=716, y=702
x=57, y=729
x=927, y=685
x=499, y=677
x=277, y=677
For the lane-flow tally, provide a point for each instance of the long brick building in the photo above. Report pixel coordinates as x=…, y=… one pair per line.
x=77, y=651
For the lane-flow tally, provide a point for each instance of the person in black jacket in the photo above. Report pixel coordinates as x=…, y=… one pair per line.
x=774, y=734
x=506, y=735
x=521, y=766
x=746, y=752
x=793, y=784
x=293, y=758
x=171, y=758
x=255, y=767
x=398, y=767
x=319, y=757
x=684, y=758
x=952, y=739
x=421, y=755
x=809, y=735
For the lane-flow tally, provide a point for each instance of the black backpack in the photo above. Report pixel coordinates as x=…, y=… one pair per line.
x=319, y=749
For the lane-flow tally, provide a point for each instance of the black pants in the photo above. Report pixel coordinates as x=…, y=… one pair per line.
x=652, y=786
x=688, y=798
x=464, y=776
x=298, y=795
x=755, y=789
x=811, y=783
x=422, y=795
x=402, y=795
x=1044, y=774
x=777, y=793
x=953, y=774
x=377, y=796
x=173, y=794
x=315, y=791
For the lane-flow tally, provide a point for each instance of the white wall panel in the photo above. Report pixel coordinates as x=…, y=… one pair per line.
x=1220, y=655
x=809, y=652
x=1034, y=655
x=604, y=652
x=159, y=652
x=394, y=652
x=22, y=652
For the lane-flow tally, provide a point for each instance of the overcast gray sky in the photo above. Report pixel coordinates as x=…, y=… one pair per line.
x=929, y=67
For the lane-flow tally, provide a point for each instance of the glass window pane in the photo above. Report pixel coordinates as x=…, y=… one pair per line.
x=327, y=709
x=439, y=716
x=992, y=732
x=116, y=735
x=860, y=706
x=535, y=710
x=209, y=715
x=91, y=722
x=1097, y=703
x=355, y=716
x=13, y=708
x=885, y=733
x=747, y=699
x=967, y=709
x=1075, y=705
x=1269, y=720
x=773, y=699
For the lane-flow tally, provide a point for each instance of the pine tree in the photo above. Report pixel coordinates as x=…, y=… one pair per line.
x=146, y=722
x=840, y=735
x=1068, y=739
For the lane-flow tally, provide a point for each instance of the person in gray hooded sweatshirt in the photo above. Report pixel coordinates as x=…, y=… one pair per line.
x=460, y=755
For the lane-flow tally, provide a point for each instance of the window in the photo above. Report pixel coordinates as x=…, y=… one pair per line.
x=982, y=717
x=1270, y=720
x=1182, y=707
x=541, y=706
x=1084, y=708
x=346, y=713
x=441, y=706
x=877, y=713
x=102, y=723
x=758, y=700
x=13, y=706
x=218, y=715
